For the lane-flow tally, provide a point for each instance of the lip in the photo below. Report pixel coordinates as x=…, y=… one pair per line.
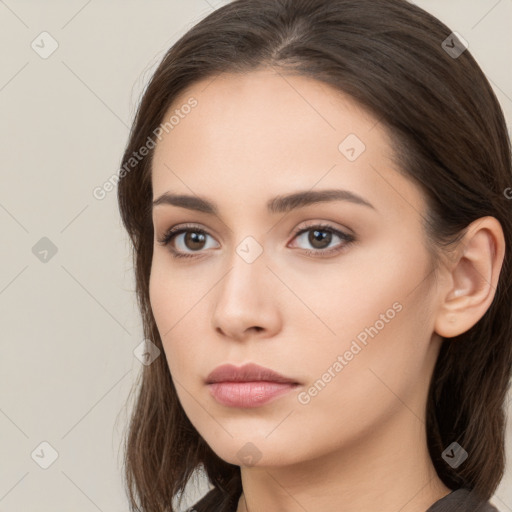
x=247, y=386
x=246, y=373
x=248, y=394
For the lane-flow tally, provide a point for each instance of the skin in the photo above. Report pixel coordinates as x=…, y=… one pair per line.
x=360, y=443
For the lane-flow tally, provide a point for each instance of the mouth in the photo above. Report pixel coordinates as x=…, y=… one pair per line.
x=247, y=386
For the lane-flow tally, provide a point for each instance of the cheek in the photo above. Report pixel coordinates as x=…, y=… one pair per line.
x=166, y=309
x=165, y=290
x=161, y=306
x=174, y=303
x=374, y=317
x=346, y=298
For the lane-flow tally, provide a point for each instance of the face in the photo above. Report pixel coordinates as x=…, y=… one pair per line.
x=336, y=294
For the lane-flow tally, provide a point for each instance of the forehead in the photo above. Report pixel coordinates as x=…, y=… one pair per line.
x=253, y=135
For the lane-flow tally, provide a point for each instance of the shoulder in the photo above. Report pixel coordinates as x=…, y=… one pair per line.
x=462, y=500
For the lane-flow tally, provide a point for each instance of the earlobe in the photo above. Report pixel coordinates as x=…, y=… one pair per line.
x=472, y=278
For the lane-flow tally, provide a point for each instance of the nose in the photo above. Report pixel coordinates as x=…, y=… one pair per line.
x=247, y=303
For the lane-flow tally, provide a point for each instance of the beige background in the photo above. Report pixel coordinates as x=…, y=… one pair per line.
x=69, y=325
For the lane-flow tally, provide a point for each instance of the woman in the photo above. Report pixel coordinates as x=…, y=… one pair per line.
x=316, y=196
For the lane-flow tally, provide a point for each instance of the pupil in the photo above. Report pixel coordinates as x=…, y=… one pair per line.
x=322, y=236
x=195, y=238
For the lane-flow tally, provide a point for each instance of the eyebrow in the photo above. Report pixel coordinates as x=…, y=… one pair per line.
x=279, y=204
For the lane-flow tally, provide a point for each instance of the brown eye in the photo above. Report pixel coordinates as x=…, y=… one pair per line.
x=319, y=239
x=194, y=240
x=321, y=236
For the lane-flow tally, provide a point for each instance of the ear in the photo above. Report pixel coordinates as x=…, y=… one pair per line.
x=470, y=280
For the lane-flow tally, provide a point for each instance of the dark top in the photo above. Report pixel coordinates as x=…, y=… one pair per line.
x=460, y=500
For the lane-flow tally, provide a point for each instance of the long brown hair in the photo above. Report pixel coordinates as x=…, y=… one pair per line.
x=449, y=135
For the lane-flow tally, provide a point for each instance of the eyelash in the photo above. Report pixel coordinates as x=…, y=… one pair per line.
x=348, y=239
